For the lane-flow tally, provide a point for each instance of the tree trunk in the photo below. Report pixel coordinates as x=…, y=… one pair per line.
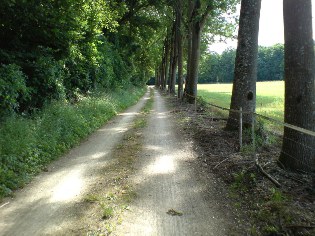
x=180, y=49
x=163, y=67
x=166, y=64
x=162, y=75
x=171, y=58
x=192, y=75
x=189, y=42
x=173, y=64
x=156, y=82
x=192, y=79
x=298, y=148
x=245, y=74
x=171, y=55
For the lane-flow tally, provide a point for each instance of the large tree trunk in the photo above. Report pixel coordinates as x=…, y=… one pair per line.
x=173, y=60
x=156, y=82
x=180, y=49
x=170, y=65
x=189, y=42
x=167, y=49
x=298, y=148
x=194, y=53
x=162, y=75
x=192, y=78
x=245, y=74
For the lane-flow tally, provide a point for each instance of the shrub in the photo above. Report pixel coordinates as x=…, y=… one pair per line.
x=12, y=88
x=27, y=145
x=46, y=76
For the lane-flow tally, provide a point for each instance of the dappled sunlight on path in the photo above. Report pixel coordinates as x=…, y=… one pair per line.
x=52, y=203
x=165, y=181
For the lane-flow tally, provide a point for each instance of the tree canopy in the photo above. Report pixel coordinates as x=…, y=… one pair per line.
x=58, y=49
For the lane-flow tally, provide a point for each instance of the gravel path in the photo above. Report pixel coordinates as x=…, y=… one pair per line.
x=166, y=181
x=51, y=204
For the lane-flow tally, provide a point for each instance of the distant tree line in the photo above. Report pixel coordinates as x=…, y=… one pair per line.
x=219, y=68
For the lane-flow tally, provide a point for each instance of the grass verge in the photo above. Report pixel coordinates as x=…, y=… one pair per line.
x=27, y=145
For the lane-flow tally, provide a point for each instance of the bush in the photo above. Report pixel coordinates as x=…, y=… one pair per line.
x=46, y=76
x=27, y=145
x=13, y=89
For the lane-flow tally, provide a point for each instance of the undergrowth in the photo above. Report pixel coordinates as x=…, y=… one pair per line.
x=27, y=145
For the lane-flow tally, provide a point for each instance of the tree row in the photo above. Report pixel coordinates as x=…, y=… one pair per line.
x=191, y=18
x=219, y=68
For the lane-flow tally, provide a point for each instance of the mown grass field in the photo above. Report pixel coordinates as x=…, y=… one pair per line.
x=270, y=97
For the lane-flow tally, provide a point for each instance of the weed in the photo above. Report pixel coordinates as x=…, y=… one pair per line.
x=109, y=228
x=271, y=229
x=92, y=198
x=111, y=196
x=244, y=180
x=140, y=123
x=107, y=212
x=277, y=196
x=129, y=196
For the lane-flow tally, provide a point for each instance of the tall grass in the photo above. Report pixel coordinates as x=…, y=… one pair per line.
x=270, y=97
x=28, y=144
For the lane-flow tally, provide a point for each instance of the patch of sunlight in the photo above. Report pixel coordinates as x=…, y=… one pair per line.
x=69, y=187
x=128, y=114
x=162, y=115
x=162, y=165
x=118, y=129
x=153, y=148
x=98, y=155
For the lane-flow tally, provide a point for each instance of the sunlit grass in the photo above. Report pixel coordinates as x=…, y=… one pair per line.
x=28, y=144
x=270, y=97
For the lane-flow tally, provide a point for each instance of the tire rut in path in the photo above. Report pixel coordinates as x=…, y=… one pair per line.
x=53, y=203
x=166, y=180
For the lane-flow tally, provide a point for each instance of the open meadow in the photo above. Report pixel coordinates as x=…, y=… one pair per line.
x=270, y=97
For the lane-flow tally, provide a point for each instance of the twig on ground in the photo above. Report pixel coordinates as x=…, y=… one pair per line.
x=301, y=226
x=221, y=162
x=274, y=181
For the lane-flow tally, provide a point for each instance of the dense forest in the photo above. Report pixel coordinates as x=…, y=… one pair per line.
x=55, y=50
x=219, y=68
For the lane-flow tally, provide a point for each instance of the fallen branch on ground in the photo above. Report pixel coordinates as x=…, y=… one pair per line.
x=274, y=181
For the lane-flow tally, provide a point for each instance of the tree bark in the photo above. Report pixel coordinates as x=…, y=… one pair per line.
x=174, y=59
x=167, y=49
x=156, y=82
x=298, y=148
x=245, y=73
x=171, y=57
x=198, y=17
x=180, y=49
x=192, y=78
x=189, y=42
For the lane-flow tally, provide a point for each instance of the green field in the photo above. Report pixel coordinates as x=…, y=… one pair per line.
x=270, y=97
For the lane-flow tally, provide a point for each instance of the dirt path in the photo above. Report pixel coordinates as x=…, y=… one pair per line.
x=166, y=178
x=51, y=204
